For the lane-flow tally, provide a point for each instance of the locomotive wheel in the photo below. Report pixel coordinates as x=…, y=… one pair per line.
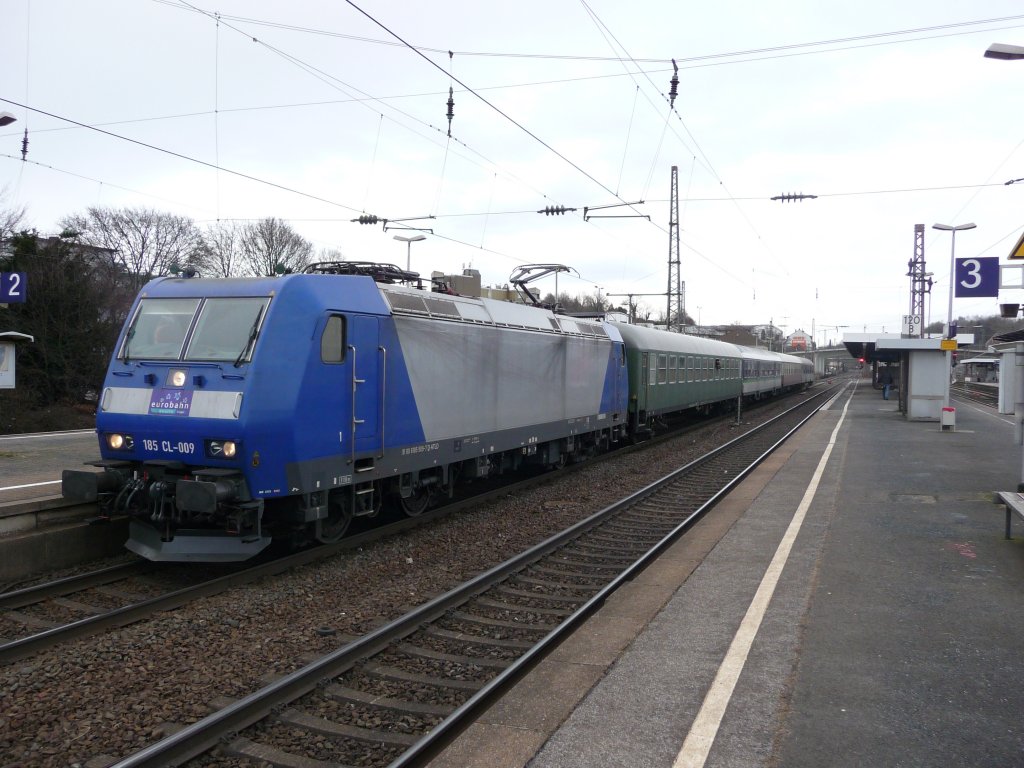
x=417, y=503
x=335, y=525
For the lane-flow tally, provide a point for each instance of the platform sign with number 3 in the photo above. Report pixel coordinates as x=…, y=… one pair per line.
x=977, y=276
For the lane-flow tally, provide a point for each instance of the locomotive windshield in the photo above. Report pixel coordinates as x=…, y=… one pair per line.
x=225, y=330
x=159, y=329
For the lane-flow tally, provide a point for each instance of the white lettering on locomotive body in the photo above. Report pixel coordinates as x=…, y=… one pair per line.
x=168, y=446
x=425, y=448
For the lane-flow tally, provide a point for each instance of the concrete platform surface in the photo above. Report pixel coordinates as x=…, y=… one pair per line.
x=893, y=637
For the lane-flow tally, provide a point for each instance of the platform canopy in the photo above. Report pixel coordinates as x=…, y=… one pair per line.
x=864, y=346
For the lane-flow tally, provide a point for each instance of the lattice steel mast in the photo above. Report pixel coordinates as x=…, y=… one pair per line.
x=675, y=287
x=920, y=283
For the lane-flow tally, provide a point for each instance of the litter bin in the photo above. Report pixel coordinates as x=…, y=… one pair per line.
x=948, y=420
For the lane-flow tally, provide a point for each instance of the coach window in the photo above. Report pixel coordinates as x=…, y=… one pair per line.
x=662, y=368
x=332, y=340
x=672, y=369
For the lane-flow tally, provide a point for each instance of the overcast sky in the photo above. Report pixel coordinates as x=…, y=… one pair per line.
x=315, y=111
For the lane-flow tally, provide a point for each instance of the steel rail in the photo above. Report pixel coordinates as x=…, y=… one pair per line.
x=129, y=614
x=36, y=593
x=21, y=648
x=204, y=734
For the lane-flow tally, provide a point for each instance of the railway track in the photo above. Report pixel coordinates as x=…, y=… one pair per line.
x=983, y=395
x=46, y=615
x=397, y=694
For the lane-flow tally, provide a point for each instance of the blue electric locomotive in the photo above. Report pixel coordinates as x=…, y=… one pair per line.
x=235, y=410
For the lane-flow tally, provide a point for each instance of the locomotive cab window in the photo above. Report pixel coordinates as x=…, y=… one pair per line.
x=332, y=340
x=159, y=328
x=227, y=329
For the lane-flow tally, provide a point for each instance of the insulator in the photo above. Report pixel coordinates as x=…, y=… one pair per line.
x=367, y=219
x=553, y=210
x=673, y=90
x=24, y=145
x=451, y=110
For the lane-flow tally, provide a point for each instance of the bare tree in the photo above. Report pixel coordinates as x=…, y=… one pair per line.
x=222, y=255
x=330, y=254
x=270, y=245
x=142, y=242
x=11, y=219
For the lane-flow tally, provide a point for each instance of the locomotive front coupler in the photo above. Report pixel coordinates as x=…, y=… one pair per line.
x=86, y=485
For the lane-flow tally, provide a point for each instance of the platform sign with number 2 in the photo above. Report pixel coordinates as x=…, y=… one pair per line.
x=13, y=288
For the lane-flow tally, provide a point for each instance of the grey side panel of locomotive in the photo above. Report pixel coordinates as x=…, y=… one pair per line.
x=471, y=379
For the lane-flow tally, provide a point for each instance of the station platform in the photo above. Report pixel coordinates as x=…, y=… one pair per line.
x=893, y=635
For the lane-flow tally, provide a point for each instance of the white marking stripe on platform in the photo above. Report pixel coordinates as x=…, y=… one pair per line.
x=27, y=485
x=705, y=727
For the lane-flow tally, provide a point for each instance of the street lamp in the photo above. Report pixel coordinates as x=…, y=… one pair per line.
x=952, y=264
x=415, y=239
x=6, y=118
x=949, y=311
x=1004, y=51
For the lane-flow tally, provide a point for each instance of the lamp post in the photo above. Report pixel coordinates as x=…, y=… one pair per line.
x=952, y=265
x=415, y=239
x=949, y=311
x=1004, y=51
x=6, y=118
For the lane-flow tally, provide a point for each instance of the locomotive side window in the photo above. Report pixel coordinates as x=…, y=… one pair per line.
x=332, y=341
x=227, y=329
x=159, y=328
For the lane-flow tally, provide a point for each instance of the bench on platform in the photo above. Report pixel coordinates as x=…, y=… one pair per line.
x=1014, y=502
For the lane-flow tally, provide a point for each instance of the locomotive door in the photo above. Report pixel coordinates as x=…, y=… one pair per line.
x=366, y=376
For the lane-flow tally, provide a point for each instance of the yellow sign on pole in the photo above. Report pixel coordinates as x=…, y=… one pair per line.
x=948, y=345
x=1018, y=249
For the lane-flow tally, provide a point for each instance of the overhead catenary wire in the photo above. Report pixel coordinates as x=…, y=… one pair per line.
x=494, y=107
x=338, y=84
x=616, y=188
x=649, y=60
x=182, y=156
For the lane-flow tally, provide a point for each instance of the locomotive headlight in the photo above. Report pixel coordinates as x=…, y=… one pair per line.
x=177, y=378
x=119, y=442
x=221, y=449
